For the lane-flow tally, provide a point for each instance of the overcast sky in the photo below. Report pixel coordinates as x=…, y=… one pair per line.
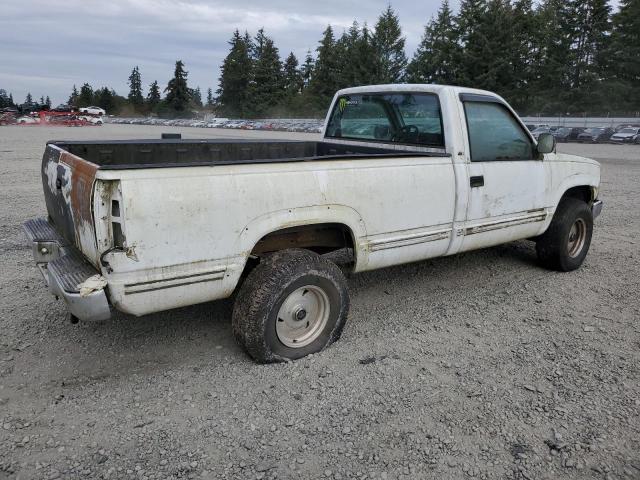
x=46, y=46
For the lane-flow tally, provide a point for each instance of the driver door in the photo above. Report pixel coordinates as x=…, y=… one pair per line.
x=506, y=181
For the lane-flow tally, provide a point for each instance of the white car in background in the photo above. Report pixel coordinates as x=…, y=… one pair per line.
x=92, y=119
x=27, y=119
x=92, y=110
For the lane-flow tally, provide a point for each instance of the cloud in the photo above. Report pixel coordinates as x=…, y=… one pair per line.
x=62, y=43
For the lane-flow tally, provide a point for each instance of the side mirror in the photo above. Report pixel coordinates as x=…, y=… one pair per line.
x=546, y=143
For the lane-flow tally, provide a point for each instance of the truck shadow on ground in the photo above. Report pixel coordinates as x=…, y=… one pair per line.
x=202, y=334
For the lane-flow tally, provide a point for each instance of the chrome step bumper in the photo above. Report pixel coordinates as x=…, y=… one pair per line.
x=64, y=269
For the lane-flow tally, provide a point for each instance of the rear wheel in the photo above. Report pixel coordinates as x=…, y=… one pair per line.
x=566, y=242
x=292, y=304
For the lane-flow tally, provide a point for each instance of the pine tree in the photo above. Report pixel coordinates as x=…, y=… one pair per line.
x=178, y=95
x=307, y=69
x=135, y=97
x=267, y=88
x=210, y=101
x=236, y=73
x=85, y=98
x=389, y=46
x=5, y=99
x=324, y=81
x=105, y=99
x=364, y=58
x=153, y=97
x=196, y=97
x=29, y=100
x=292, y=75
x=624, y=47
x=472, y=56
x=73, y=98
x=47, y=102
x=435, y=60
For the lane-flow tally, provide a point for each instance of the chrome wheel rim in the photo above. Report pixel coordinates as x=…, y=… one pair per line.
x=577, y=237
x=302, y=316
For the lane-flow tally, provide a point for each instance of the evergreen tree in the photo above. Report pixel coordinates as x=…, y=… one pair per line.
x=236, y=73
x=29, y=100
x=307, y=69
x=85, y=98
x=73, y=98
x=154, y=96
x=196, y=97
x=292, y=75
x=42, y=103
x=435, y=60
x=473, y=53
x=624, y=48
x=267, y=87
x=389, y=47
x=178, y=95
x=105, y=99
x=364, y=58
x=135, y=97
x=6, y=100
x=47, y=102
x=324, y=82
x=210, y=102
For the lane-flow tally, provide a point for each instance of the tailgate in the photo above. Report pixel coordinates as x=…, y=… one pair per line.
x=67, y=182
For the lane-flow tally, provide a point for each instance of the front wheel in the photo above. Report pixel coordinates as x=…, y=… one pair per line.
x=292, y=304
x=566, y=242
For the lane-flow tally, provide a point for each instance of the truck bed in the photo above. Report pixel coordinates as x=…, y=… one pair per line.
x=135, y=154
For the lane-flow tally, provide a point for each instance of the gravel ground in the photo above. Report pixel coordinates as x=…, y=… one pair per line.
x=480, y=365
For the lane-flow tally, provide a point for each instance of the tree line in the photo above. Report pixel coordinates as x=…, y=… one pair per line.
x=554, y=56
x=179, y=100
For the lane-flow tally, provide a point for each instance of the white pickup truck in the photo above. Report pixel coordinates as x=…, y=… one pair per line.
x=403, y=173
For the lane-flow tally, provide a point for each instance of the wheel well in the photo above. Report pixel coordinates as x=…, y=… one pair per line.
x=583, y=192
x=321, y=238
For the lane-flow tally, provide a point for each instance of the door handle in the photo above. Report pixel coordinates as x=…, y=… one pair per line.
x=477, y=181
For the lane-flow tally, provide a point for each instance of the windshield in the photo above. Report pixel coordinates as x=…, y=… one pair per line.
x=594, y=130
x=405, y=118
x=629, y=130
x=563, y=130
x=541, y=130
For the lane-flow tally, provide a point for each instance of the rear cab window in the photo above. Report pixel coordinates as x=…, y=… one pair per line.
x=396, y=118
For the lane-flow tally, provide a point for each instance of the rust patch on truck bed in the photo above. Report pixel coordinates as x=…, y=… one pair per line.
x=82, y=178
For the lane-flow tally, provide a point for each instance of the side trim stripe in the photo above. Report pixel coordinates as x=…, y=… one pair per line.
x=538, y=216
x=405, y=240
x=178, y=281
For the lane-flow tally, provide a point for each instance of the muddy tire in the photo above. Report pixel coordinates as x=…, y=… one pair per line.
x=292, y=304
x=565, y=244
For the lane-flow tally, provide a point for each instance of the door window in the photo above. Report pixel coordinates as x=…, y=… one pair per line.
x=494, y=134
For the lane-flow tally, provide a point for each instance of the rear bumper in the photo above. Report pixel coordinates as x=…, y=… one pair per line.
x=596, y=208
x=64, y=268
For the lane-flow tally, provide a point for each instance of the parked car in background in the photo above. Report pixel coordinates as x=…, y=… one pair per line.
x=539, y=131
x=626, y=135
x=567, y=134
x=27, y=119
x=91, y=119
x=596, y=135
x=63, y=107
x=92, y=110
x=626, y=125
